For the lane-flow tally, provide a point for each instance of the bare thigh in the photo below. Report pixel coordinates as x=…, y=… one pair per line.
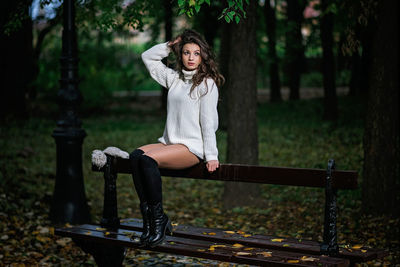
x=171, y=156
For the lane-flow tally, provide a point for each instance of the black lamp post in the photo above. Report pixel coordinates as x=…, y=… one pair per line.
x=69, y=200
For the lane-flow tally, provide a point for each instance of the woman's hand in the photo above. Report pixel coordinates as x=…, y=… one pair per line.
x=212, y=165
x=177, y=40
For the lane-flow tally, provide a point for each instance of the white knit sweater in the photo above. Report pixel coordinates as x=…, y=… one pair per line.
x=192, y=120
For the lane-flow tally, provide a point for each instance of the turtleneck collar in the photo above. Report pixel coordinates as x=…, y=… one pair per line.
x=188, y=75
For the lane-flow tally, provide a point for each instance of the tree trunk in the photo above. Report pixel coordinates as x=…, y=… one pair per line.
x=242, y=107
x=168, y=37
x=381, y=185
x=275, y=82
x=294, y=46
x=17, y=60
x=224, y=56
x=328, y=64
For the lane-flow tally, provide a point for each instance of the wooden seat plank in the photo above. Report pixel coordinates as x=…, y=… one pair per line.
x=255, y=174
x=261, y=241
x=201, y=248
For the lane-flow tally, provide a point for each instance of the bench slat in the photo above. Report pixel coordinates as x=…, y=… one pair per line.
x=255, y=174
x=201, y=248
x=260, y=241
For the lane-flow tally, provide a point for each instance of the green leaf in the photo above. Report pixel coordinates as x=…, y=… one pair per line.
x=197, y=7
x=227, y=19
x=237, y=19
x=181, y=11
x=231, y=14
x=208, y=2
x=181, y=3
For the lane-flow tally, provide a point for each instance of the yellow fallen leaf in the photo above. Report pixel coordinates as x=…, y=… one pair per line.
x=363, y=250
x=43, y=238
x=229, y=232
x=211, y=248
x=51, y=229
x=68, y=225
x=248, y=248
x=100, y=229
x=88, y=233
x=217, y=246
x=106, y=233
x=240, y=232
x=305, y=258
x=174, y=224
x=286, y=245
x=211, y=233
x=277, y=240
x=265, y=254
x=243, y=253
x=171, y=242
x=202, y=250
x=293, y=261
x=204, y=233
x=356, y=246
x=237, y=245
x=246, y=235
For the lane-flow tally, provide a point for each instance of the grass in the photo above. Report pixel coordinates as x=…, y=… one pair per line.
x=291, y=134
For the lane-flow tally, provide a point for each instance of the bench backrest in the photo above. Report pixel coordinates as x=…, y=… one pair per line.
x=254, y=174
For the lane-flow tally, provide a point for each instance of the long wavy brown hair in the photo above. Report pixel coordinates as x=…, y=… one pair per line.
x=208, y=67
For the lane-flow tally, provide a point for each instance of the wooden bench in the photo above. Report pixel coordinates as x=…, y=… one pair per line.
x=108, y=241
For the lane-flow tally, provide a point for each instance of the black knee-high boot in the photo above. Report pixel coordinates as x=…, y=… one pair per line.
x=139, y=186
x=159, y=223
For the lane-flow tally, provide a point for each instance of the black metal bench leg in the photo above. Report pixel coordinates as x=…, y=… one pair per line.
x=329, y=245
x=110, y=207
x=104, y=255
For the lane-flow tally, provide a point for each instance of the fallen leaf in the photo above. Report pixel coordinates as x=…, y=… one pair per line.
x=243, y=253
x=100, y=229
x=286, y=245
x=106, y=233
x=277, y=240
x=202, y=250
x=248, y=248
x=240, y=232
x=218, y=246
x=356, y=246
x=265, y=254
x=246, y=235
x=237, y=245
x=363, y=250
x=305, y=258
x=293, y=261
x=229, y=232
x=88, y=233
x=211, y=233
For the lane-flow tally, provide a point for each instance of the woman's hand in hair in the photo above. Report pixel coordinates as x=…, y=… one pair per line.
x=212, y=165
x=177, y=40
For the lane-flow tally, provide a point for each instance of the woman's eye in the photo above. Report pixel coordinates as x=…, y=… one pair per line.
x=186, y=53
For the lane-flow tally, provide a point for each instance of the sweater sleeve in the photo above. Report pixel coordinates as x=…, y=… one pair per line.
x=209, y=121
x=158, y=71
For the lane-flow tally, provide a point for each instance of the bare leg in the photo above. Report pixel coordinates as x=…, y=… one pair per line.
x=171, y=156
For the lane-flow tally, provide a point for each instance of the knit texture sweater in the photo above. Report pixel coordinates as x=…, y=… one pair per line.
x=192, y=118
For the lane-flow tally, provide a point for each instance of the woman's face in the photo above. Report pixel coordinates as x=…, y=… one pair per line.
x=191, y=58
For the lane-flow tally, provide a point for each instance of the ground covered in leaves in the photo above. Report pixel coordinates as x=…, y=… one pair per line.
x=291, y=134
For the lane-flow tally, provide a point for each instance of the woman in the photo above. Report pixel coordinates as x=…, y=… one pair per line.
x=189, y=134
